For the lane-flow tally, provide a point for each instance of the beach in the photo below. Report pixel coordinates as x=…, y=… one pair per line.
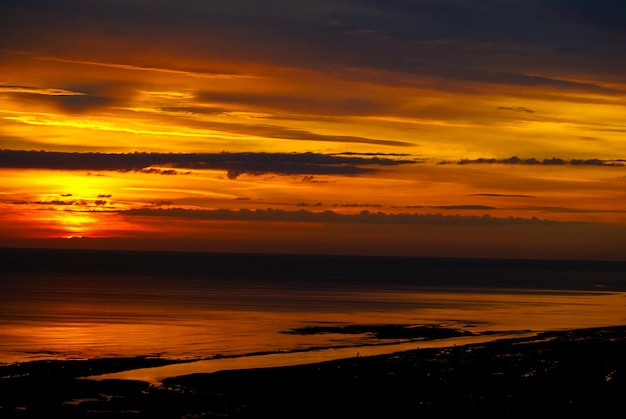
x=312, y=209
x=100, y=334
x=97, y=304
x=578, y=372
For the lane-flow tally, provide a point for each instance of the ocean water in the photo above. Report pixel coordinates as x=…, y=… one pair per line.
x=61, y=304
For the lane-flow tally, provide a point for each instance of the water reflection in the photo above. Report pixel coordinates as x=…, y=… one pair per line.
x=78, y=316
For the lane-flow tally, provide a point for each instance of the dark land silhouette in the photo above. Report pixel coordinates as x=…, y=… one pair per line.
x=576, y=373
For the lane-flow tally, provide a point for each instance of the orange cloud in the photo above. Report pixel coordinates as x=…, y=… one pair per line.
x=311, y=105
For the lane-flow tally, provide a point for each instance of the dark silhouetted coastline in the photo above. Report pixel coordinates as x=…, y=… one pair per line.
x=577, y=373
x=68, y=316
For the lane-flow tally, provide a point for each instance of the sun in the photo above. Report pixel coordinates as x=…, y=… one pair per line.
x=73, y=204
x=76, y=224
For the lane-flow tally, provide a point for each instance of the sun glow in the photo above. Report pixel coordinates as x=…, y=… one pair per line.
x=289, y=114
x=76, y=224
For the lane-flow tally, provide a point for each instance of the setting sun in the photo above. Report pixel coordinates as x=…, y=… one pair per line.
x=260, y=123
x=414, y=208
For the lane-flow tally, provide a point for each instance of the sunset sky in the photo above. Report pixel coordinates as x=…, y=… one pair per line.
x=473, y=128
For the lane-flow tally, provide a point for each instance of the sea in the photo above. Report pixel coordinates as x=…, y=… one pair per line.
x=83, y=304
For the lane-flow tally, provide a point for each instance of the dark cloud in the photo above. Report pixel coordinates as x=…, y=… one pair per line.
x=490, y=76
x=408, y=206
x=464, y=207
x=545, y=162
x=312, y=179
x=198, y=110
x=306, y=204
x=357, y=205
x=569, y=210
x=278, y=132
x=329, y=216
x=158, y=204
x=156, y=171
x=234, y=163
x=351, y=153
x=82, y=103
x=596, y=162
x=298, y=103
x=162, y=68
x=76, y=99
x=82, y=204
x=57, y=202
x=517, y=42
x=270, y=131
x=608, y=16
x=502, y=195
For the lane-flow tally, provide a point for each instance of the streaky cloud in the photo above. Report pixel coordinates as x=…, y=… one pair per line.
x=299, y=104
x=235, y=164
x=73, y=98
x=482, y=40
x=357, y=205
x=46, y=91
x=201, y=74
x=281, y=133
x=515, y=109
x=464, y=207
x=554, y=161
x=328, y=216
x=352, y=153
x=547, y=209
x=502, y=195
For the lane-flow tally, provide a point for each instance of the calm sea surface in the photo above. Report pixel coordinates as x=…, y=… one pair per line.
x=83, y=304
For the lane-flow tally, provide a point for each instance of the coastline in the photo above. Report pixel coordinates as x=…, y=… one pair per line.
x=155, y=375
x=579, y=371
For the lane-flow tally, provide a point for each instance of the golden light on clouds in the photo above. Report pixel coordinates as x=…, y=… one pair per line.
x=279, y=110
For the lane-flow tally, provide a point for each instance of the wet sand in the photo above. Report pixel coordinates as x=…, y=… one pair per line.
x=579, y=373
x=156, y=374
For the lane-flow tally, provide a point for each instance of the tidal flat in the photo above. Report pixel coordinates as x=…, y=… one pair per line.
x=580, y=372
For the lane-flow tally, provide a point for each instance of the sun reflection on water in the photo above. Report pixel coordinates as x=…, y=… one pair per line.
x=179, y=320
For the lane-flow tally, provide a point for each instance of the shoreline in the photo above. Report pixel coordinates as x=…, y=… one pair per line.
x=154, y=375
x=565, y=371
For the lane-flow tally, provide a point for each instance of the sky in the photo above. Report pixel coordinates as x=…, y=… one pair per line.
x=450, y=128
